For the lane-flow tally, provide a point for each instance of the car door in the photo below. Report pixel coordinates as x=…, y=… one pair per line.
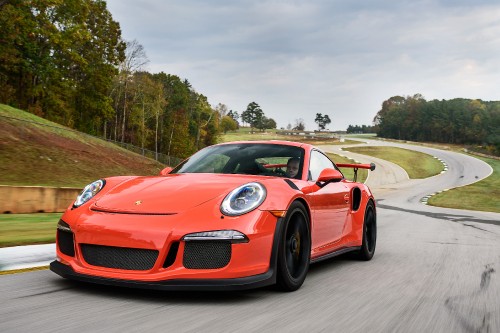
x=330, y=205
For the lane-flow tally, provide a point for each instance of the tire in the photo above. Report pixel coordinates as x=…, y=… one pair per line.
x=294, y=252
x=369, y=234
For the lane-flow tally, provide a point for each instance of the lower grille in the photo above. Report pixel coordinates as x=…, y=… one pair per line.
x=206, y=254
x=119, y=257
x=65, y=242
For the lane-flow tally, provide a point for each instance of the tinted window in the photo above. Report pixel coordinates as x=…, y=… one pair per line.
x=317, y=164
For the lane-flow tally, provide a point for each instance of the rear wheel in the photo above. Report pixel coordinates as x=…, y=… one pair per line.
x=369, y=234
x=294, y=249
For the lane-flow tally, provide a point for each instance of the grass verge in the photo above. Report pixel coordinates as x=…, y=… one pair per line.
x=482, y=195
x=417, y=164
x=28, y=229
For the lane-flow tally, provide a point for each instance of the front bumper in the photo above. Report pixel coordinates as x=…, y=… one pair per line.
x=251, y=264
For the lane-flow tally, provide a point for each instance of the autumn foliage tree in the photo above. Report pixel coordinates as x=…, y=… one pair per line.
x=66, y=61
x=58, y=59
x=228, y=124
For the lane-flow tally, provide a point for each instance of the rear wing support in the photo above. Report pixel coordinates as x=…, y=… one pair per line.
x=370, y=167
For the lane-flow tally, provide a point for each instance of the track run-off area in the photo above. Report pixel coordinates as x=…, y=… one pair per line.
x=434, y=270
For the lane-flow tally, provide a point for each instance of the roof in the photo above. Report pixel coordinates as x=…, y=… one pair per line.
x=274, y=142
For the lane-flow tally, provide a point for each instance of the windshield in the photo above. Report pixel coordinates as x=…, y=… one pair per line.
x=246, y=158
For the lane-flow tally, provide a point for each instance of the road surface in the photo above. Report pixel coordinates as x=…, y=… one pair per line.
x=435, y=270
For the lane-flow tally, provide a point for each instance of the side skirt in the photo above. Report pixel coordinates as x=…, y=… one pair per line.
x=335, y=253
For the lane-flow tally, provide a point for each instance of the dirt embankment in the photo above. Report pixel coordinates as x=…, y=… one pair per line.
x=33, y=154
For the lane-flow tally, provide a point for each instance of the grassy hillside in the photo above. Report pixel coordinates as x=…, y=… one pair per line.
x=35, y=151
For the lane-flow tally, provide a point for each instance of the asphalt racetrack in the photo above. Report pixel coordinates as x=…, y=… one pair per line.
x=434, y=270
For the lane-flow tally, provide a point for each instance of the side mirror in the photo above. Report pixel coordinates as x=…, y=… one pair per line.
x=330, y=175
x=165, y=171
x=325, y=177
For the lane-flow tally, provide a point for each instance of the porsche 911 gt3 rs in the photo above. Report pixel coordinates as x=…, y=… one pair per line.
x=229, y=217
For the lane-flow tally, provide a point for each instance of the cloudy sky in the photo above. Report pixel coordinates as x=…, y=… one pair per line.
x=296, y=58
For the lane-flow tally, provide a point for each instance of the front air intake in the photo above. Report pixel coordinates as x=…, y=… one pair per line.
x=119, y=257
x=206, y=254
x=172, y=254
x=65, y=242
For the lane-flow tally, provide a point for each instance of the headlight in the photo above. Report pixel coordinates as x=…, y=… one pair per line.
x=243, y=199
x=89, y=192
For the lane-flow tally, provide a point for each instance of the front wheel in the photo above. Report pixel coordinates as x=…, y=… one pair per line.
x=369, y=234
x=294, y=249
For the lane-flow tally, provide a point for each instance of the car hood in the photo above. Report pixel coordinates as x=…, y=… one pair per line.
x=170, y=194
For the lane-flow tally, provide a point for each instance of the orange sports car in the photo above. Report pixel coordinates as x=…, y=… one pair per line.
x=232, y=216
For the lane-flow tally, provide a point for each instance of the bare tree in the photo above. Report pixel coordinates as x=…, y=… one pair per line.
x=299, y=124
x=135, y=60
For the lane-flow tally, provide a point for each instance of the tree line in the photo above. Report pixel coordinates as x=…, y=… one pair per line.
x=456, y=121
x=361, y=129
x=66, y=61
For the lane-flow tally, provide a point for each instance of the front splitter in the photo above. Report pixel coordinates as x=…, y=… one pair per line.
x=250, y=282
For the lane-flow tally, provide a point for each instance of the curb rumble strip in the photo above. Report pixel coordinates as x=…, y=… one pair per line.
x=445, y=168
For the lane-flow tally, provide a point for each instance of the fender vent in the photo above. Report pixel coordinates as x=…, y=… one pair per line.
x=356, y=198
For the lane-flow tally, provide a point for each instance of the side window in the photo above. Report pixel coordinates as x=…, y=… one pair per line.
x=317, y=164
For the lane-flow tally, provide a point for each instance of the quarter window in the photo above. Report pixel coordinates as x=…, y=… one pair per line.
x=318, y=163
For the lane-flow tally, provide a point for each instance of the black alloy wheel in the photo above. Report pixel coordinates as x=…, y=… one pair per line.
x=295, y=249
x=369, y=234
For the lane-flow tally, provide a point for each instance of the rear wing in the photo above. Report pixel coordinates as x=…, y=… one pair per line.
x=370, y=167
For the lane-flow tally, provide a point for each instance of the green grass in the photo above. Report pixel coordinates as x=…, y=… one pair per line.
x=417, y=165
x=24, y=229
x=483, y=195
x=349, y=172
x=370, y=136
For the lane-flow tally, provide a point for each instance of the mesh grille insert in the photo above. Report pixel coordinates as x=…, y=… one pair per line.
x=206, y=254
x=119, y=257
x=65, y=242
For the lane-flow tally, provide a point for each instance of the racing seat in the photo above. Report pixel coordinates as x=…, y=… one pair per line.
x=249, y=167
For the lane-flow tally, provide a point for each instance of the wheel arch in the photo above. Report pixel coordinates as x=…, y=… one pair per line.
x=370, y=200
x=306, y=206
